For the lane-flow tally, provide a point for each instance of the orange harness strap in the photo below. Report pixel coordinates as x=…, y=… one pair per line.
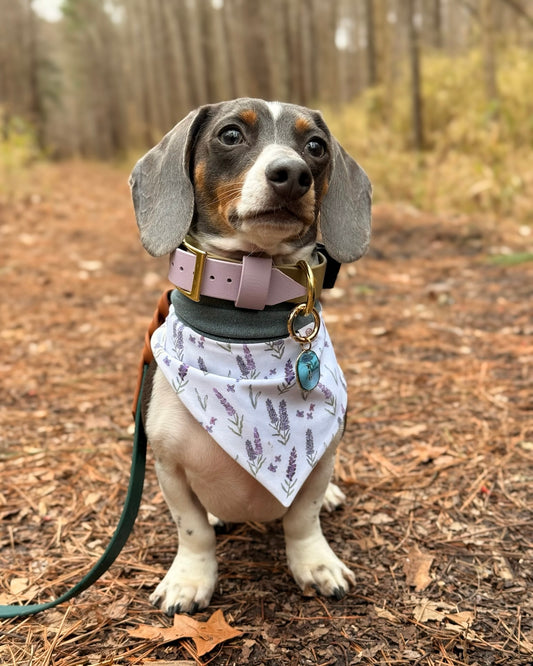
x=147, y=357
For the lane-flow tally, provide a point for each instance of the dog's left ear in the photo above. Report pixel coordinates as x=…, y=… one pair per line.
x=161, y=188
x=345, y=213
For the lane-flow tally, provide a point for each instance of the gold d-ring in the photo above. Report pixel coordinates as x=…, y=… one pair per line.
x=303, y=339
x=309, y=287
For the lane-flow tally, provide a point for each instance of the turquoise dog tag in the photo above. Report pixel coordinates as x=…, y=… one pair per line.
x=308, y=370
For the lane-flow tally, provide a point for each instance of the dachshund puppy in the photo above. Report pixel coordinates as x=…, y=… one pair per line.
x=244, y=401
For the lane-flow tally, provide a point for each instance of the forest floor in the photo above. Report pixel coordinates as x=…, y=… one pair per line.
x=433, y=329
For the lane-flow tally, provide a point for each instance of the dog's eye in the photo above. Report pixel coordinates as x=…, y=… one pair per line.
x=316, y=147
x=231, y=136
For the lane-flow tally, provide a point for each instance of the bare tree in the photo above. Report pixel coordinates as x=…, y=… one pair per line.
x=416, y=93
x=489, y=49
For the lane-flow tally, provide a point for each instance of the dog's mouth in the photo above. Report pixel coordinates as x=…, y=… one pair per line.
x=275, y=218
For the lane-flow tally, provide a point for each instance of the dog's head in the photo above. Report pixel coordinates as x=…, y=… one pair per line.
x=252, y=176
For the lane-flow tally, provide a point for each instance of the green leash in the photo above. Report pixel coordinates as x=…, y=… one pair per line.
x=122, y=532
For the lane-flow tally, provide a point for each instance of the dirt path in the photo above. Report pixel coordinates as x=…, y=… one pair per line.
x=434, y=331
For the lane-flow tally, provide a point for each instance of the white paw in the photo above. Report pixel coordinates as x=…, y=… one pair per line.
x=188, y=585
x=316, y=568
x=333, y=498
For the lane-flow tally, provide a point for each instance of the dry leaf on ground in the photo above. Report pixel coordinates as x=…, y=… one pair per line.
x=416, y=568
x=206, y=635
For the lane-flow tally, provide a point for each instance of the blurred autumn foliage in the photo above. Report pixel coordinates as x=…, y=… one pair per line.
x=431, y=96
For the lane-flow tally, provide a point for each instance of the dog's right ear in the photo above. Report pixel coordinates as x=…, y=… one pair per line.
x=161, y=188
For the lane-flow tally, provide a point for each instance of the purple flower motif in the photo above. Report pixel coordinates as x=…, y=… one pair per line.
x=272, y=413
x=272, y=468
x=327, y=393
x=256, y=450
x=291, y=467
x=277, y=459
x=242, y=366
x=289, y=372
x=201, y=342
x=250, y=363
x=230, y=388
x=246, y=364
x=272, y=372
x=309, y=443
x=283, y=416
x=279, y=422
x=182, y=371
x=300, y=413
x=178, y=336
x=257, y=442
x=230, y=411
x=202, y=365
x=250, y=451
x=167, y=361
x=192, y=339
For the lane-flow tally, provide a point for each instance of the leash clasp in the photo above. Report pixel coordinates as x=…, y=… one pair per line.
x=307, y=364
x=305, y=309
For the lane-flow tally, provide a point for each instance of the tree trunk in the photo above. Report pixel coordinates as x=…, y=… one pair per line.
x=489, y=50
x=416, y=94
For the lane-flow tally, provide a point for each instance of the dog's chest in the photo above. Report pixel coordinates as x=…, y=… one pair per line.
x=247, y=397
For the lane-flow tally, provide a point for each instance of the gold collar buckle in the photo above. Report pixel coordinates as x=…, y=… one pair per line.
x=200, y=257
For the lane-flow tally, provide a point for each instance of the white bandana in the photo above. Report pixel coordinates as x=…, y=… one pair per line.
x=247, y=397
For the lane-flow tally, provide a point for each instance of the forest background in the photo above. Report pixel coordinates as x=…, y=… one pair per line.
x=432, y=96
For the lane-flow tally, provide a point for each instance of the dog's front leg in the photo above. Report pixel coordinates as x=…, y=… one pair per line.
x=190, y=581
x=313, y=564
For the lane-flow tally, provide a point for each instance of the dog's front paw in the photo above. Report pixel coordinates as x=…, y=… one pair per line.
x=188, y=585
x=316, y=568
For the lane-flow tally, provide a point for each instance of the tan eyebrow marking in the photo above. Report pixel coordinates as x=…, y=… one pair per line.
x=199, y=175
x=302, y=124
x=249, y=116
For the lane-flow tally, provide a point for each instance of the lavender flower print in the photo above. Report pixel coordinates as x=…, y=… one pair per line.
x=274, y=420
x=178, y=340
x=289, y=481
x=279, y=421
x=254, y=397
x=330, y=400
x=255, y=453
x=202, y=400
x=179, y=382
x=234, y=419
x=242, y=366
x=290, y=378
x=247, y=364
x=212, y=422
x=276, y=348
x=310, y=453
x=202, y=366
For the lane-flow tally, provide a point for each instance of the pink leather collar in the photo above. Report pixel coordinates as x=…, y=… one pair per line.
x=252, y=283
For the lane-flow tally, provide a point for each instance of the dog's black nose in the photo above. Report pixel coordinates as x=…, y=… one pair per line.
x=289, y=177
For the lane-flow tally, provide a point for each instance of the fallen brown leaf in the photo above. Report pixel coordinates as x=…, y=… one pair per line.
x=416, y=568
x=206, y=635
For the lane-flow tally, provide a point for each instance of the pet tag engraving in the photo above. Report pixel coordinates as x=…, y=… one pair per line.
x=308, y=370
